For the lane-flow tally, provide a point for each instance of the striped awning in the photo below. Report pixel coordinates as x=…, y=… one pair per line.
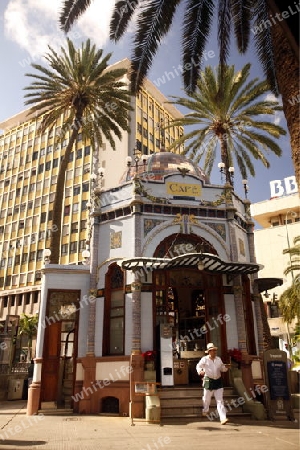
x=207, y=261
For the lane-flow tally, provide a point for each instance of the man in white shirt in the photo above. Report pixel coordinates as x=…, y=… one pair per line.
x=210, y=367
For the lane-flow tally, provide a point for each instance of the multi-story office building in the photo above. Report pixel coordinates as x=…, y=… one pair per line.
x=29, y=164
x=279, y=221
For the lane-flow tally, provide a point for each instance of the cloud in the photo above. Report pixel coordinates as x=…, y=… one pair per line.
x=33, y=24
x=278, y=116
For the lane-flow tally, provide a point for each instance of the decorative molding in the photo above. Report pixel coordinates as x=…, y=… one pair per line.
x=149, y=224
x=218, y=228
x=140, y=190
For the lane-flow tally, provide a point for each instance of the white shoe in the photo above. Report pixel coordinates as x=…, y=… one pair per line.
x=223, y=422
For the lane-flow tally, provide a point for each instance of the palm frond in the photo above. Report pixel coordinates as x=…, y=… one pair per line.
x=196, y=27
x=241, y=18
x=153, y=23
x=71, y=11
x=263, y=42
x=121, y=16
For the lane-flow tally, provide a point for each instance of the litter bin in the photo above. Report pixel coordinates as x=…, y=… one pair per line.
x=15, y=389
x=152, y=408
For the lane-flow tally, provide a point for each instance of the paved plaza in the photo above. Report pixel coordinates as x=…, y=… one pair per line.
x=82, y=432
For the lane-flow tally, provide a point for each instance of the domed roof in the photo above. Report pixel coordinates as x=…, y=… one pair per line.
x=160, y=164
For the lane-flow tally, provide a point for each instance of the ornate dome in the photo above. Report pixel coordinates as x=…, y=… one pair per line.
x=158, y=165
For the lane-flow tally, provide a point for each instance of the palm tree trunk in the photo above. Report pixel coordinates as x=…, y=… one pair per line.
x=59, y=194
x=287, y=73
x=224, y=156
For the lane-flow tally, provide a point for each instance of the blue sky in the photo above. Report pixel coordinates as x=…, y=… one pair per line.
x=28, y=26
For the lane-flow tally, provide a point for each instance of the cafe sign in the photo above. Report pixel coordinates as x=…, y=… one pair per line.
x=183, y=189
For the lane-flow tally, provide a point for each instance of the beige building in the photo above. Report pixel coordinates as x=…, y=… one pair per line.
x=279, y=219
x=29, y=164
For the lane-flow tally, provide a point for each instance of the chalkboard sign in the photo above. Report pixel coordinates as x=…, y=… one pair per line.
x=278, y=382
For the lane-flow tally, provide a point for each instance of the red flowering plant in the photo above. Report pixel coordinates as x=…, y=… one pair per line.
x=235, y=355
x=149, y=359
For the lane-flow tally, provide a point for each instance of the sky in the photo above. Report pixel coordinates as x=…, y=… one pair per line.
x=29, y=26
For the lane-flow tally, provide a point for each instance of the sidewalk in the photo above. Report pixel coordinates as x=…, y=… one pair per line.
x=75, y=432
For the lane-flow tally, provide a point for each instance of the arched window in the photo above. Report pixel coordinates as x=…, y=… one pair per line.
x=114, y=318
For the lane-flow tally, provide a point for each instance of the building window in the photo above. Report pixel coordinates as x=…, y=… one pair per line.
x=48, y=165
x=83, y=225
x=84, y=205
x=55, y=163
x=17, y=260
x=41, y=168
x=82, y=245
x=32, y=256
x=79, y=153
x=76, y=190
x=85, y=187
x=43, y=217
x=87, y=150
x=74, y=227
x=24, y=258
x=64, y=249
x=71, y=157
x=40, y=255
x=73, y=247
x=67, y=210
x=75, y=207
x=35, y=156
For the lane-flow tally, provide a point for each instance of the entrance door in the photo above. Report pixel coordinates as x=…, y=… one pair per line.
x=191, y=301
x=60, y=348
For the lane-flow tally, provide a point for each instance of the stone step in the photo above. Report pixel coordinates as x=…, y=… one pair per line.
x=197, y=417
x=178, y=392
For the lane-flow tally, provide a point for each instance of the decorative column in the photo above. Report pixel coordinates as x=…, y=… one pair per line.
x=136, y=359
x=34, y=391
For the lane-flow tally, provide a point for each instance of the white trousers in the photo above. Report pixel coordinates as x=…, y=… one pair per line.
x=207, y=396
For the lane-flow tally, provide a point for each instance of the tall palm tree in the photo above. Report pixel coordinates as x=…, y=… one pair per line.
x=236, y=125
x=272, y=23
x=92, y=99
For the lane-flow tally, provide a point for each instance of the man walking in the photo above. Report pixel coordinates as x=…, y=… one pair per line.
x=210, y=367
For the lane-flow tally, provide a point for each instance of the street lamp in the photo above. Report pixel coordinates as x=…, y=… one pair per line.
x=221, y=166
x=47, y=254
x=231, y=173
x=246, y=187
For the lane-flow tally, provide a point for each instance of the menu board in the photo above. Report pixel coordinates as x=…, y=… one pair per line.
x=278, y=396
x=278, y=383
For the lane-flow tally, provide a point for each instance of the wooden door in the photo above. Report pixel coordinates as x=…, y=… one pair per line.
x=51, y=363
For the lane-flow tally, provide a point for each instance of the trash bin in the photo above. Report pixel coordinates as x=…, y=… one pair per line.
x=152, y=408
x=15, y=389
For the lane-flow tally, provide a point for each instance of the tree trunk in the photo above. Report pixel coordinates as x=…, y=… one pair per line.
x=287, y=73
x=59, y=195
x=224, y=157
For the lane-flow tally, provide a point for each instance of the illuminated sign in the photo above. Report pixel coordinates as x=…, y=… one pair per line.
x=283, y=187
x=184, y=189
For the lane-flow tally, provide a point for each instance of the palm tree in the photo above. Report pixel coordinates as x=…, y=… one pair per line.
x=28, y=326
x=276, y=38
x=289, y=302
x=91, y=98
x=233, y=125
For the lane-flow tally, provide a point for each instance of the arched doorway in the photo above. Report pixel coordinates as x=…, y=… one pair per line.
x=191, y=301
